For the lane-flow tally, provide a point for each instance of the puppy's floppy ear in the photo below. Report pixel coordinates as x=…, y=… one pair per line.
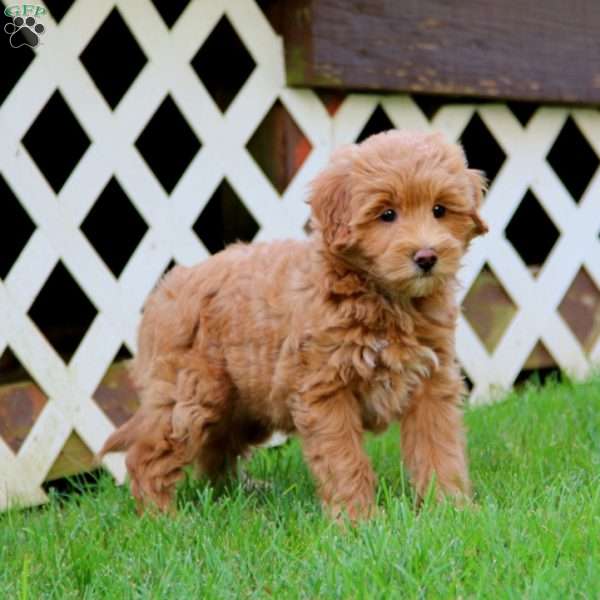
x=478, y=188
x=330, y=200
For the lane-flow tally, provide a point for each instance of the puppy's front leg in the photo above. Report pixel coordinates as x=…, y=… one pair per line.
x=331, y=431
x=433, y=440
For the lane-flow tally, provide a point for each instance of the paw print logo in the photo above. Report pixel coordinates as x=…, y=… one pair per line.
x=24, y=32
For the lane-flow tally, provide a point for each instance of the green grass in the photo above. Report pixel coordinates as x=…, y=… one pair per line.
x=535, y=464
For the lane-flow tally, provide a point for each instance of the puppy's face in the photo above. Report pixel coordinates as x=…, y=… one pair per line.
x=402, y=207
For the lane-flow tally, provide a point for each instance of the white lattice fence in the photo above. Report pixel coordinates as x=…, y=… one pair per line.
x=58, y=210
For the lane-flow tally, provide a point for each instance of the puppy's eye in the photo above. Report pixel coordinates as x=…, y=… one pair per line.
x=388, y=215
x=439, y=211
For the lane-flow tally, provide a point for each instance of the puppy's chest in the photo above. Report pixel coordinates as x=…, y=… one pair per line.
x=399, y=369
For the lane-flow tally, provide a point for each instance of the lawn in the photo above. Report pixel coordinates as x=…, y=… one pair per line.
x=535, y=463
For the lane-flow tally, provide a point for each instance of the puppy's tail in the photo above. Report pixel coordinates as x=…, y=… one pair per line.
x=123, y=438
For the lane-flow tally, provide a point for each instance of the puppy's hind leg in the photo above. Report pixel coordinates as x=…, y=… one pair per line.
x=201, y=420
x=152, y=460
x=146, y=438
x=169, y=432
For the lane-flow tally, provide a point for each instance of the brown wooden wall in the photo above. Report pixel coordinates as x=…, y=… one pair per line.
x=540, y=50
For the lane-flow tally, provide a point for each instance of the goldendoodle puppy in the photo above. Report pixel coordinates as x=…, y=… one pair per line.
x=344, y=333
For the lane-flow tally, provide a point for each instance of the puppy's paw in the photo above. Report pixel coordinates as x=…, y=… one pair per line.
x=344, y=514
x=465, y=503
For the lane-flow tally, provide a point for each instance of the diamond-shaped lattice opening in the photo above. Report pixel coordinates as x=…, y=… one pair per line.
x=11, y=369
x=275, y=12
x=114, y=227
x=58, y=8
x=580, y=309
x=14, y=61
x=331, y=100
x=172, y=264
x=378, y=122
x=488, y=308
x=170, y=10
x=15, y=228
x=223, y=52
x=62, y=312
x=467, y=380
x=116, y=394
x=307, y=227
x=573, y=159
x=430, y=104
x=56, y=141
x=73, y=459
x=123, y=354
x=279, y=146
x=224, y=220
x=539, y=366
x=168, y=144
x=113, y=58
x=531, y=232
x=482, y=150
x=523, y=111
x=539, y=358
x=21, y=401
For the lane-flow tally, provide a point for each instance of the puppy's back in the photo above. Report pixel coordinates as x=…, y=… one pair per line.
x=239, y=301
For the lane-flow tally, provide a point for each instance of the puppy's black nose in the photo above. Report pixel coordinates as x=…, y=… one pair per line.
x=425, y=259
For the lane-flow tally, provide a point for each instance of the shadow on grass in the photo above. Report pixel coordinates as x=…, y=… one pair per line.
x=62, y=489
